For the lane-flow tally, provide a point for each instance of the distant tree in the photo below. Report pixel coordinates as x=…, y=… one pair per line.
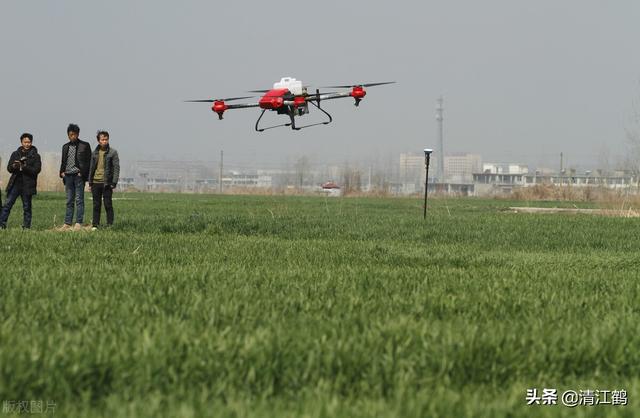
x=346, y=179
x=356, y=180
x=302, y=169
x=351, y=179
x=604, y=159
x=286, y=178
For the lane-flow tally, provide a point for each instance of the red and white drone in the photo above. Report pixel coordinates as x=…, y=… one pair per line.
x=290, y=97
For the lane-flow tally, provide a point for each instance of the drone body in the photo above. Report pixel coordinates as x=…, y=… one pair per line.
x=289, y=97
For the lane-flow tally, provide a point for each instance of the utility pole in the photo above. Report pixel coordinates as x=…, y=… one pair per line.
x=220, y=173
x=561, y=168
x=404, y=177
x=439, y=119
x=427, y=157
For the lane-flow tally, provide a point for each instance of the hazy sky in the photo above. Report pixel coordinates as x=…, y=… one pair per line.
x=522, y=80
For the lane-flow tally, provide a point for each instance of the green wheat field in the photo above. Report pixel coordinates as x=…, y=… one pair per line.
x=273, y=306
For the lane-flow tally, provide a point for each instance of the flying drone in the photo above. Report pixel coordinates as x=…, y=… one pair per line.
x=289, y=97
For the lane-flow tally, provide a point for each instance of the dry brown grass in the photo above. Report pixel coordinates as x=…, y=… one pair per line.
x=628, y=213
x=260, y=191
x=621, y=200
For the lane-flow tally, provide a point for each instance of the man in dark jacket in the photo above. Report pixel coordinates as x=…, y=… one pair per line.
x=74, y=171
x=24, y=166
x=103, y=177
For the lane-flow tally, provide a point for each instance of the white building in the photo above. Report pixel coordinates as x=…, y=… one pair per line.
x=490, y=183
x=251, y=179
x=504, y=168
x=459, y=168
x=412, y=172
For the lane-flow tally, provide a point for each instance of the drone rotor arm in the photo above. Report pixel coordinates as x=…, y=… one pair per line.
x=242, y=105
x=327, y=96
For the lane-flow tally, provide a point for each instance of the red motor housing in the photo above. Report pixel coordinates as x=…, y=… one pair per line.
x=358, y=92
x=219, y=107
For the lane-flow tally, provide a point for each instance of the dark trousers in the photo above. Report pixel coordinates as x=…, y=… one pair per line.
x=101, y=192
x=26, y=207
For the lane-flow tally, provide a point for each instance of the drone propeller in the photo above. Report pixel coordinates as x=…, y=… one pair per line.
x=228, y=99
x=359, y=85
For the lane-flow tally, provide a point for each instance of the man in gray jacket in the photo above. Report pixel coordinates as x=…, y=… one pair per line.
x=104, y=172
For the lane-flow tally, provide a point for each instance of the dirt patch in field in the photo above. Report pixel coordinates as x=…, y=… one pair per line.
x=627, y=213
x=83, y=228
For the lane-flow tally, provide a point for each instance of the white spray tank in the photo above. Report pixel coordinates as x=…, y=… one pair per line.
x=294, y=86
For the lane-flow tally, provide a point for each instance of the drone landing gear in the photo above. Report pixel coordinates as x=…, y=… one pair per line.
x=268, y=127
x=297, y=128
x=291, y=114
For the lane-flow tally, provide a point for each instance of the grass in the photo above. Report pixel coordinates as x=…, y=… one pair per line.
x=196, y=306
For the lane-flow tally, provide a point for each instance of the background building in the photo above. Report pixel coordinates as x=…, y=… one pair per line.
x=459, y=168
x=504, y=168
